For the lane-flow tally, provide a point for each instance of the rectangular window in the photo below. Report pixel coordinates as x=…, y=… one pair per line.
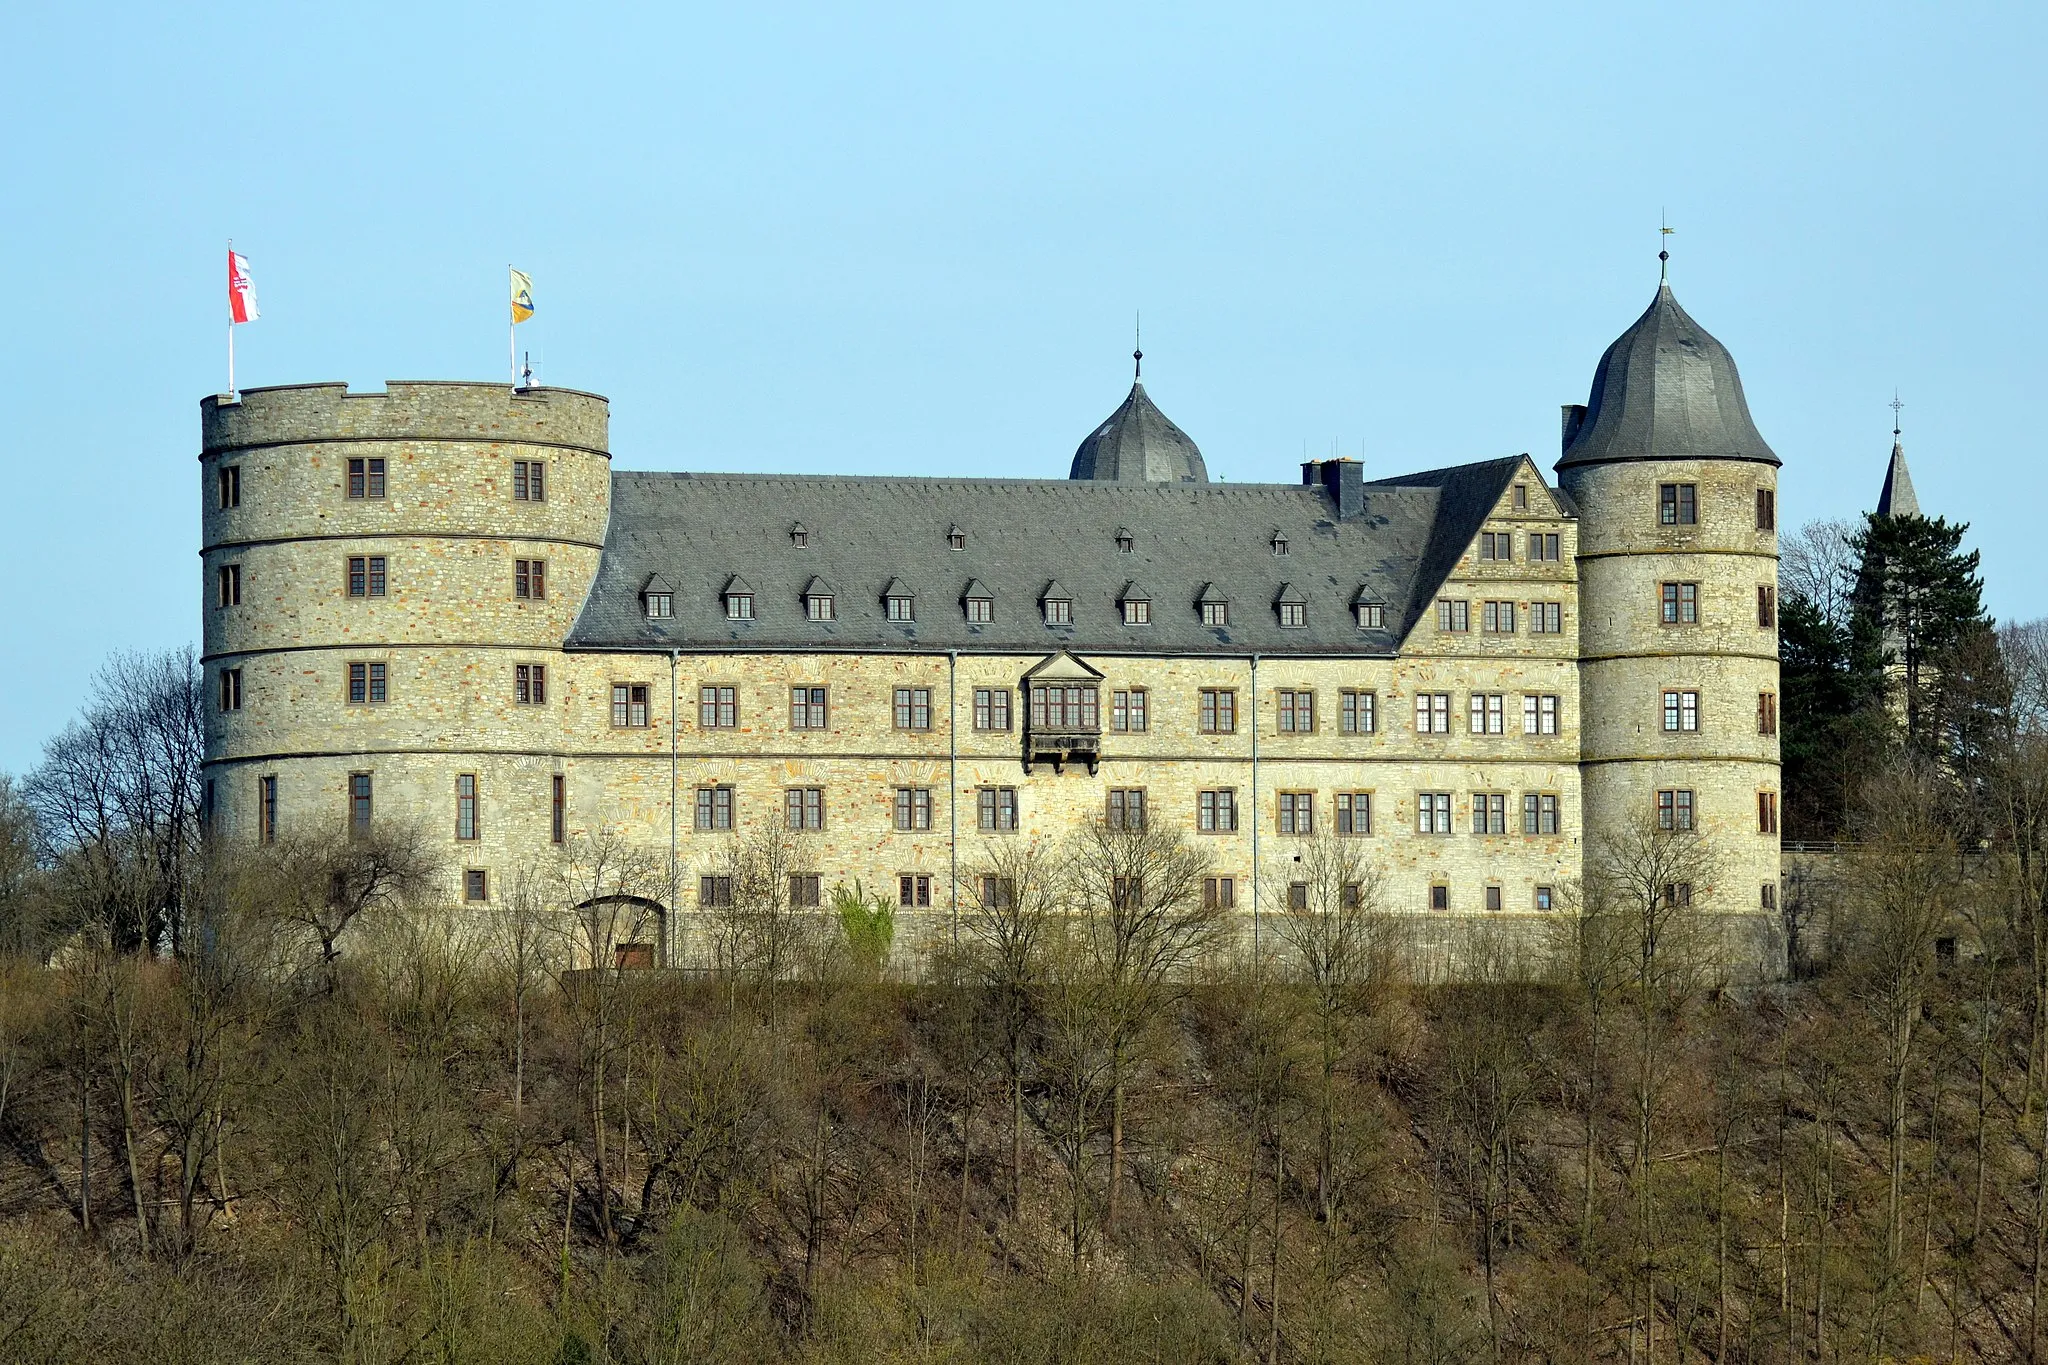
x=1215, y=613
x=1433, y=813
x=1489, y=813
x=1546, y=897
x=1219, y=893
x=1539, y=813
x=1358, y=712
x=1219, y=711
x=230, y=486
x=530, y=684
x=1544, y=547
x=530, y=579
x=804, y=889
x=718, y=708
x=476, y=885
x=981, y=610
x=1498, y=545
x=465, y=806
x=1766, y=812
x=913, y=708
x=818, y=606
x=366, y=684
x=1216, y=811
x=1488, y=713
x=1539, y=714
x=1063, y=707
x=1000, y=893
x=739, y=606
x=1432, y=713
x=1769, y=896
x=1137, y=613
x=629, y=706
x=1297, y=711
x=1126, y=808
x=996, y=809
x=1371, y=616
x=366, y=576
x=1297, y=895
x=1354, y=812
x=1493, y=898
x=714, y=808
x=366, y=478
x=1674, y=809
x=1497, y=618
x=1297, y=813
x=1439, y=897
x=1766, y=606
x=1127, y=710
x=1767, y=713
x=807, y=708
x=659, y=606
x=804, y=808
x=1678, y=893
x=913, y=889
x=231, y=689
x=1453, y=614
x=1059, y=611
x=266, y=809
x=991, y=708
x=913, y=808
x=1766, y=509
x=1680, y=603
x=901, y=608
x=1681, y=711
x=230, y=584
x=558, y=809
x=529, y=481
x=1521, y=501
x=714, y=893
x=1546, y=618
x=1678, y=504
x=1293, y=615
x=359, y=804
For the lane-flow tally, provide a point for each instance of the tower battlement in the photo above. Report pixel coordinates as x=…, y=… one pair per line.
x=406, y=410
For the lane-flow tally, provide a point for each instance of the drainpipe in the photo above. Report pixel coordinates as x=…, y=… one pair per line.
x=668, y=945
x=953, y=794
x=1254, y=699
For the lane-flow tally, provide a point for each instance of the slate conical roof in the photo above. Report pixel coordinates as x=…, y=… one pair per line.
x=1898, y=498
x=1666, y=390
x=1138, y=444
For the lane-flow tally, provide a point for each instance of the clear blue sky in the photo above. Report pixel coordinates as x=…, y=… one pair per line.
x=910, y=239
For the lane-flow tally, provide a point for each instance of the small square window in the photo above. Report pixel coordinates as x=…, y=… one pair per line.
x=1293, y=615
x=819, y=607
x=913, y=889
x=1546, y=897
x=981, y=610
x=366, y=478
x=629, y=705
x=1059, y=611
x=1372, y=616
x=661, y=606
x=1439, y=897
x=476, y=885
x=902, y=608
x=1137, y=613
x=530, y=579
x=739, y=606
x=1678, y=504
x=1215, y=613
x=529, y=481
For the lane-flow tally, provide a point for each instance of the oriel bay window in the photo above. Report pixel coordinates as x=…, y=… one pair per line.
x=1064, y=706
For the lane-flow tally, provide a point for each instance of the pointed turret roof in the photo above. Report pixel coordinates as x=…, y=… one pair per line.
x=1139, y=444
x=1666, y=390
x=1897, y=498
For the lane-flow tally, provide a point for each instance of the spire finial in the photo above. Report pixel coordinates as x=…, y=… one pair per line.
x=1137, y=347
x=1895, y=405
x=1664, y=229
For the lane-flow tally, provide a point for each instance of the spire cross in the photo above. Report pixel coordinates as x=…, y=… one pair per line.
x=1895, y=405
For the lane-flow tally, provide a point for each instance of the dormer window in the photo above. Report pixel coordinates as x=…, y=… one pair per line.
x=739, y=600
x=1213, y=605
x=899, y=602
x=956, y=538
x=1279, y=544
x=798, y=536
x=818, y=600
x=1137, y=605
x=1057, y=606
x=1292, y=607
x=1124, y=540
x=979, y=601
x=657, y=598
x=1371, y=615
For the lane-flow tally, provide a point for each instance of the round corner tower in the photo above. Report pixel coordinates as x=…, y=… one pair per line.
x=389, y=579
x=1678, y=569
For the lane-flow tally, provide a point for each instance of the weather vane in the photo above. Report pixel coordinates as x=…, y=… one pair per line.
x=1138, y=347
x=1664, y=229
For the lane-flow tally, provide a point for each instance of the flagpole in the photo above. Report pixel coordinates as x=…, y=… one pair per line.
x=231, y=358
x=231, y=317
x=511, y=338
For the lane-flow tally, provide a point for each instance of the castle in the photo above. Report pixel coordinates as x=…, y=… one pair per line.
x=439, y=603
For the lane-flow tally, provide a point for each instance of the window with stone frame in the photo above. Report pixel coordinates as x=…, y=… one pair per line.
x=1487, y=713
x=1546, y=618
x=912, y=708
x=807, y=708
x=714, y=892
x=1216, y=810
x=466, y=824
x=1453, y=614
x=1766, y=510
x=1678, y=603
x=1489, y=813
x=366, y=576
x=1767, y=713
x=1497, y=545
x=1358, y=711
x=1433, y=813
x=230, y=489
x=996, y=809
x=1219, y=893
x=228, y=581
x=805, y=890
x=1544, y=547
x=714, y=809
x=1432, y=713
x=1125, y=808
x=1766, y=812
x=803, y=808
x=992, y=708
x=1766, y=607
x=1127, y=710
x=1297, y=707
x=366, y=478
x=1298, y=813
x=1497, y=618
x=629, y=706
x=1218, y=712
x=913, y=808
x=1681, y=711
x=1354, y=813
x=1539, y=813
x=231, y=689
x=913, y=890
x=1675, y=808
x=718, y=707
x=530, y=579
x=1539, y=713
x=1678, y=504
x=530, y=684
x=529, y=481
x=368, y=684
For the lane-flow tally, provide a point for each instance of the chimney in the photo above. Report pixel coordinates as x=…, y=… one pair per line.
x=1574, y=418
x=1345, y=482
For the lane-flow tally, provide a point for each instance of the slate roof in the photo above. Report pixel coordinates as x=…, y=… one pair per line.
x=1139, y=444
x=1897, y=498
x=1666, y=390
x=699, y=530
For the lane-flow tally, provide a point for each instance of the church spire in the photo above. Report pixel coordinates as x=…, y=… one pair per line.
x=1897, y=499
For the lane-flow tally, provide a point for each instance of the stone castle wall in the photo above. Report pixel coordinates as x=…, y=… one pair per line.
x=450, y=633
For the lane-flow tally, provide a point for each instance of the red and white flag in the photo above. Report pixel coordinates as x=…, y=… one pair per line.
x=241, y=290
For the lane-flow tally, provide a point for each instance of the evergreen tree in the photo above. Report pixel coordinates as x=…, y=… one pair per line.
x=1920, y=591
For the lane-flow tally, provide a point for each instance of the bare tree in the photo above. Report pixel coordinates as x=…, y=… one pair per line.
x=1342, y=949
x=1137, y=896
x=1009, y=905
x=1818, y=562
x=763, y=935
x=325, y=884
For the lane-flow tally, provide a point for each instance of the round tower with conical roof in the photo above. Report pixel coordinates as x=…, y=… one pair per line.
x=1678, y=642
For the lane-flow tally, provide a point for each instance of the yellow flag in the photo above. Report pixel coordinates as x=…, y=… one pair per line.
x=522, y=297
